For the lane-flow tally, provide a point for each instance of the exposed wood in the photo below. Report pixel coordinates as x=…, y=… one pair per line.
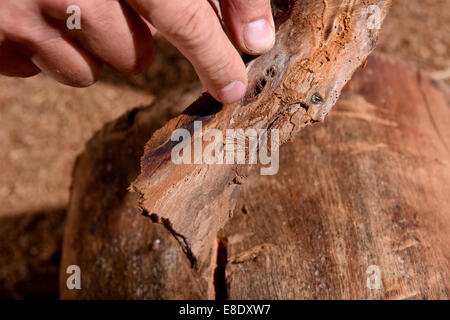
x=319, y=45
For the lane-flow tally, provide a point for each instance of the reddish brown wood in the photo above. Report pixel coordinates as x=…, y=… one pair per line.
x=319, y=45
x=122, y=254
x=370, y=186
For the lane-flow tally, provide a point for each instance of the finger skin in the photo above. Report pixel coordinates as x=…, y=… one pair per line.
x=17, y=65
x=110, y=30
x=250, y=23
x=193, y=27
x=66, y=62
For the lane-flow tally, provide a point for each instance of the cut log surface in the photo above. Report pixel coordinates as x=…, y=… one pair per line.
x=369, y=187
x=319, y=45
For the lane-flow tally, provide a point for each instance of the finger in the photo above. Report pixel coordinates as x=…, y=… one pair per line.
x=48, y=50
x=17, y=66
x=111, y=31
x=250, y=23
x=193, y=27
x=66, y=62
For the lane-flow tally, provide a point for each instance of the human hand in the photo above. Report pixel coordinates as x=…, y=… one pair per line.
x=34, y=38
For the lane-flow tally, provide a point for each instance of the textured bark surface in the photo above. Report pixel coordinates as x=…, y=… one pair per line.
x=122, y=254
x=367, y=187
x=319, y=45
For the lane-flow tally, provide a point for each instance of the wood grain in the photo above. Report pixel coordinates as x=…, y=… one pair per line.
x=368, y=187
x=319, y=45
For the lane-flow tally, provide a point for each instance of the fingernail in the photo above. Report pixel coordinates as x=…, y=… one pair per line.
x=259, y=36
x=232, y=92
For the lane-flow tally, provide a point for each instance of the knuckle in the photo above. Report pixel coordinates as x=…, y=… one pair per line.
x=18, y=24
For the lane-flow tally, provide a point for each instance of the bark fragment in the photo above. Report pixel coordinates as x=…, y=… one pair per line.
x=319, y=46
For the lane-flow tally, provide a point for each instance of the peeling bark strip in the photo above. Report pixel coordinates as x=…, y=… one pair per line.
x=319, y=46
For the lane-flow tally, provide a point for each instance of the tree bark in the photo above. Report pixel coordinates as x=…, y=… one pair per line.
x=364, y=195
x=319, y=45
x=122, y=254
x=368, y=187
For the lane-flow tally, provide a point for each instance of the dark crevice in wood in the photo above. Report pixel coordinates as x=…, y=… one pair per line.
x=316, y=98
x=304, y=106
x=205, y=106
x=269, y=127
x=248, y=57
x=259, y=87
x=220, y=282
x=149, y=215
x=271, y=72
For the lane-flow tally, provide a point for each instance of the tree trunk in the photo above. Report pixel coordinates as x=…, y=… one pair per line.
x=363, y=197
x=367, y=188
x=319, y=46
